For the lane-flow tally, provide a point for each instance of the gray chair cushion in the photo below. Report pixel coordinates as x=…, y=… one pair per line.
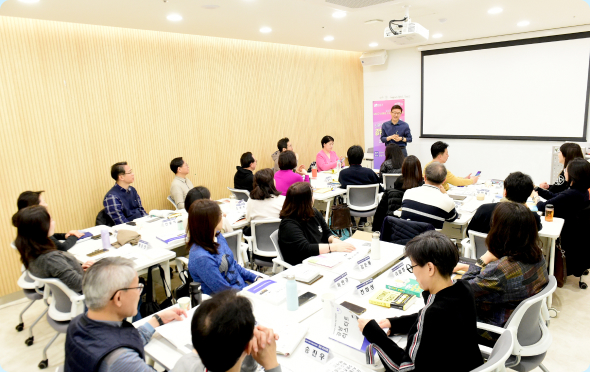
x=61, y=327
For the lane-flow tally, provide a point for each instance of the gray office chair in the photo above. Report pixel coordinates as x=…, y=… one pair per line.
x=240, y=194
x=362, y=200
x=260, y=246
x=169, y=198
x=389, y=179
x=477, y=242
x=279, y=261
x=234, y=240
x=530, y=334
x=33, y=293
x=65, y=305
x=500, y=353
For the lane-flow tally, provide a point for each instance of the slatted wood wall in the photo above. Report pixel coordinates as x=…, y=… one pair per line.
x=75, y=99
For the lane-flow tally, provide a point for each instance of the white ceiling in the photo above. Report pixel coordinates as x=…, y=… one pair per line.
x=307, y=22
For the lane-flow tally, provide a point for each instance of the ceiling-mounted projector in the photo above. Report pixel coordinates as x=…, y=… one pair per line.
x=406, y=32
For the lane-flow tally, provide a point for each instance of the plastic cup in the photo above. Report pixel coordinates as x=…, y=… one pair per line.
x=184, y=303
x=314, y=172
x=549, y=211
x=481, y=196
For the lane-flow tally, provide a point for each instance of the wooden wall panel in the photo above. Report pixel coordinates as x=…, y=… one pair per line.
x=75, y=99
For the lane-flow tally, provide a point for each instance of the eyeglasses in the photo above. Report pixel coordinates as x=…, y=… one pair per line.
x=130, y=171
x=139, y=289
x=396, y=113
x=410, y=268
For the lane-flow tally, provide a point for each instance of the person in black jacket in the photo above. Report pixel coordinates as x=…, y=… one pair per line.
x=356, y=174
x=30, y=198
x=303, y=232
x=449, y=308
x=394, y=158
x=391, y=200
x=244, y=178
x=567, y=152
x=567, y=205
x=517, y=188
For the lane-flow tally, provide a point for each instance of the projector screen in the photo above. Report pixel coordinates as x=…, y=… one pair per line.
x=534, y=89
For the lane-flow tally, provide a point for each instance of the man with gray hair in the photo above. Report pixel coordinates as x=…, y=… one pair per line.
x=101, y=339
x=429, y=202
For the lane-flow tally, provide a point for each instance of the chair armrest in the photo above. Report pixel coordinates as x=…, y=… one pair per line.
x=77, y=305
x=485, y=351
x=490, y=328
x=183, y=260
x=263, y=276
x=278, y=262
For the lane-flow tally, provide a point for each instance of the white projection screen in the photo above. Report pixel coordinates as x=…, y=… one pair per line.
x=534, y=89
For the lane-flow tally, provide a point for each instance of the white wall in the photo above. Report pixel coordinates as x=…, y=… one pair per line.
x=400, y=77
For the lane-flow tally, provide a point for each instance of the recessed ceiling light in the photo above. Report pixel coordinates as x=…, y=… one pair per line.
x=495, y=10
x=523, y=23
x=29, y=1
x=329, y=38
x=174, y=17
x=339, y=14
x=373, y=45
x=265, y=30
x=436, y=36
x=210, y=6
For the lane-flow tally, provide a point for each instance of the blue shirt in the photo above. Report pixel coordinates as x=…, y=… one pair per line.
x=217, y=272
x=401, y=128
x=123, y=205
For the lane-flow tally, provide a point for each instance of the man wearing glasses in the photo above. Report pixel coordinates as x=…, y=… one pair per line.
x=122, y=203
x=101, y=339
x=396, y=131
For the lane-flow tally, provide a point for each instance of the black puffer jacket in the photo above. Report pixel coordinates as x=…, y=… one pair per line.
x=399, y=231
x=390, y=202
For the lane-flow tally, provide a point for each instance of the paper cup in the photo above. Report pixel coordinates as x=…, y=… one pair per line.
x=184, y=303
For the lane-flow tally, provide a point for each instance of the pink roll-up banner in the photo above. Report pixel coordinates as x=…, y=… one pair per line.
x=382, y=114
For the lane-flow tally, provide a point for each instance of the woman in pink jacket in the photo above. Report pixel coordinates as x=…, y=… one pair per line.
x=286, y=177
x=327, y=159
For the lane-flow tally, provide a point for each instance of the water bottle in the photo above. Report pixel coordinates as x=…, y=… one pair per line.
x=194, y=291
x=375, y=246
x=292, y=300
x=104, y=236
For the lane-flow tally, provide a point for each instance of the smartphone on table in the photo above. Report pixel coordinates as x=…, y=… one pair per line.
x=306, y=297
x=354, y=308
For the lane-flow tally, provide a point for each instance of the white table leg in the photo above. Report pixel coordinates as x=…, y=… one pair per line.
x=328, y=206
x=551, y=266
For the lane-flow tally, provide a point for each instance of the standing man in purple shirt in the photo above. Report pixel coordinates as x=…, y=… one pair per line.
x=396, y=131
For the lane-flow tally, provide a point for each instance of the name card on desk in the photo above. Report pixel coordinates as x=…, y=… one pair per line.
x=341, y=281
x=143, y=244
x=364, y=263
x=366, y=289
x=241, y=206
x=399, y=269
x=169, y=222
x=316, y=351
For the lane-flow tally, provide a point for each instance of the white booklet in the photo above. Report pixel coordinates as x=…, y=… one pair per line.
x=178, y=332
x=268, y=290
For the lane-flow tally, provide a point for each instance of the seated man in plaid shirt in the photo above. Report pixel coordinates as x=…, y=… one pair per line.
x=122, y=203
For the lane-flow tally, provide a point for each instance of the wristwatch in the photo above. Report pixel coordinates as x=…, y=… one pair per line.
x=480, y=263
x=160, y=321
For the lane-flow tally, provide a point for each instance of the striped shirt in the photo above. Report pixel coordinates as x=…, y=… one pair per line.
x=427, y=204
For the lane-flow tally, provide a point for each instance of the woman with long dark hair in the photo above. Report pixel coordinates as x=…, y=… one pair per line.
x=567, y=152
x=265, y=200
x=303, y=232
x=512, y=270
x=211, y=261
x=391, y=200
x=39, y=254
x=394, y=158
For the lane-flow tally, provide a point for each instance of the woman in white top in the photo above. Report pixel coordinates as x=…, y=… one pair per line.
x=265, y=200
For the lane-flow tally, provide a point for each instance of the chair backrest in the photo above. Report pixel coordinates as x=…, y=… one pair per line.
x=398, y=231
x=274, y=237
x=240, y=194
x=362, y=197
x=103, y=218
x=389, y=179
x=65, y=303
x=26, y=282
x=261, y=231
x=526, y=322
x=169, y=198
x=234, y=239
x=500, y=353
x=478, y=243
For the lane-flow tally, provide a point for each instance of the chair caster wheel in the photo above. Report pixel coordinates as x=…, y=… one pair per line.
x=583, y=285
x=553, y=312
x=29, y=341
x=43, y=364
x=587, y=272
x=20, y=327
